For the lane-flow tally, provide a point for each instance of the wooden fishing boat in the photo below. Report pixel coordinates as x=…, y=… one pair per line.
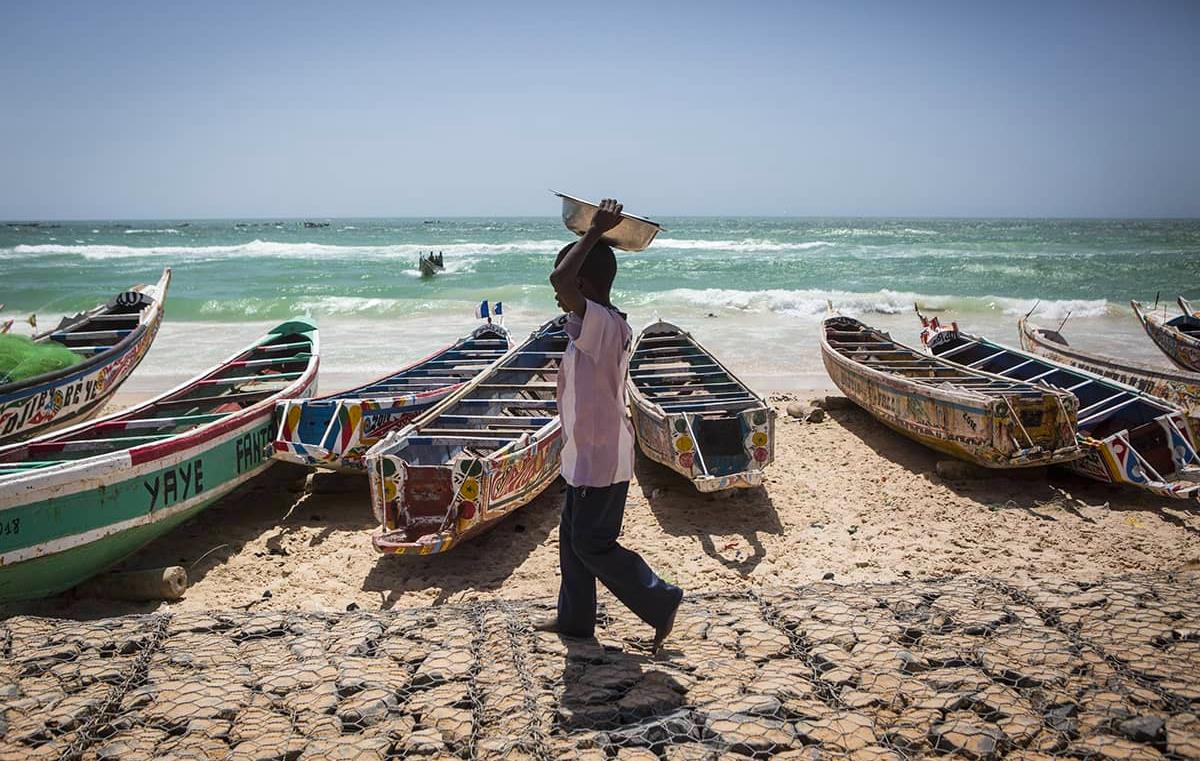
x=969, y=414
x=430, y=264
x=483, y=452
x=111, y=340
x=1177, y=337
x=1179, y=387
x=337, y=430
x=693, y=415
x=1128, y=436
x=74, y=502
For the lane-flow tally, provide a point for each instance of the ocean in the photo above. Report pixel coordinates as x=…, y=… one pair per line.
x=752, y=289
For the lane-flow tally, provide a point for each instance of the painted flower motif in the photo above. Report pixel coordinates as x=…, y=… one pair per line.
x=686, y=459
x=759, y=439
x=760, y=454
x=684, y=444
x=469, y=489
x=466, y=510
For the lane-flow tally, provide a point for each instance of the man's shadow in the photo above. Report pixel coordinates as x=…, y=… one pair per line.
x=681, y=510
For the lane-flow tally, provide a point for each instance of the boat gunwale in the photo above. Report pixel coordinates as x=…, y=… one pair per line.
x=1174, y=374
x=141, y=454
x=946, y=391
x=146, y=319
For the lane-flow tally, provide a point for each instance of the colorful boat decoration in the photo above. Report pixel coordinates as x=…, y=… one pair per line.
x=1177, y=337
x=483, y=452
x=981, y=418
x=1178, y=387
x=693, y=415
x=336, y=431
x=74, y=502
x=111, y=339
x=1129, y=437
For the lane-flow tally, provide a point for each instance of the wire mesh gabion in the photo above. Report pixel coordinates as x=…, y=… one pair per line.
x=963, y=667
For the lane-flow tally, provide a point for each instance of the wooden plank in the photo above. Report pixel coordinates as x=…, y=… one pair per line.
x=249, y=379
x=281, y=347
x=218, y=399
x=534, y=386
x=154, y=422
x=420, y=439
x=731, y=405
x=503, y=433
x=957, y=349
x=669, y=386
x=1094, y=405
x=522, y=421
x=534, y=370
x=980, y=362
x=1106, y=411
x=80, y=445
x=688, y=373
x=89, y=335
x=662, y=339
x=270, y=362
x=522, y=403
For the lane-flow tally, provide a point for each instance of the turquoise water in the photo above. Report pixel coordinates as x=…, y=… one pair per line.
x=752, y=287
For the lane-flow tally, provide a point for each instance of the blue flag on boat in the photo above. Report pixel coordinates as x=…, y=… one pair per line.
x=498, y=309
x=481, y=311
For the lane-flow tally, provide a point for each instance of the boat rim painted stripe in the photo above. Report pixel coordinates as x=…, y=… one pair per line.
x=88, y=468
x=74, y=481
x=72, y=541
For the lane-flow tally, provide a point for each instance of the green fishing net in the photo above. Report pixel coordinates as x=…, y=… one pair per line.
x=21, y=358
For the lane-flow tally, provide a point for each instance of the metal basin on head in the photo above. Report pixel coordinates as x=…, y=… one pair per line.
x=632, y=233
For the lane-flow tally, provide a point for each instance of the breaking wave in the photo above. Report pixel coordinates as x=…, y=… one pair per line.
x=261, y=248
x=816, y=303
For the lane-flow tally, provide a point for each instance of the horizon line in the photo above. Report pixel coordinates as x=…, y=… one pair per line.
x=434, y=218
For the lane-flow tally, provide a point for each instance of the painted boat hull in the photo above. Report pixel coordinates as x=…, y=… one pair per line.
x=429, y=507
x=970, y=426
x=61, y=524
x=1180, y=388
x=669, y=436
x=1110, y=456
x=41, y=405
x=338, y=430
x=482, y=491
x=129, y=513
x=1182, y=349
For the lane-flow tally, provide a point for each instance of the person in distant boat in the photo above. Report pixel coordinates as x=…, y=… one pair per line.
x=597, y=455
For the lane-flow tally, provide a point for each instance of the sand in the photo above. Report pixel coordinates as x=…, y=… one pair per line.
x=846, y=500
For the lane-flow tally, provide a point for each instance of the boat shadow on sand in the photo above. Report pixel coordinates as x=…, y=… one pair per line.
x=683, y=511
x=483, y=565
x=1038, y=492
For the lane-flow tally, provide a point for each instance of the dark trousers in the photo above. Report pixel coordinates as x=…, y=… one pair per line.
x=588, y=550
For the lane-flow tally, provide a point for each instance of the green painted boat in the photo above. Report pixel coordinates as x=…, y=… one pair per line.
x=77, y=501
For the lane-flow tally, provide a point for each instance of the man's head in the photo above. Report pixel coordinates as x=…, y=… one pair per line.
x=597, y=273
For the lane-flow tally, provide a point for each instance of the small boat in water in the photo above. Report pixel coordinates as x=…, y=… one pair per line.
x=1179, y=387
x=110, y=340
x=483, y=452
x=74, y=502
x=693, y=415
x=1177, y=337
x=430, y=264
x=1129, y=436
x=975, y=416
x=337, y=430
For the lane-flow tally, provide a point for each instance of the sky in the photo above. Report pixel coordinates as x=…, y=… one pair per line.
x=130, y=110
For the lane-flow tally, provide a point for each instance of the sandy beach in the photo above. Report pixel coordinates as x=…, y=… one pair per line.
x=846, y=500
